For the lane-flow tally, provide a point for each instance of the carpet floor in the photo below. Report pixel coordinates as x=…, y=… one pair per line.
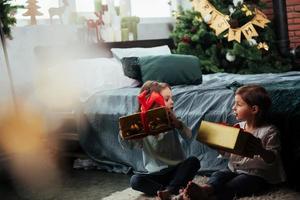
x=281, y=193
x=96, y=185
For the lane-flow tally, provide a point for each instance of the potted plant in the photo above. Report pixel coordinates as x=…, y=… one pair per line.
x=7, y=20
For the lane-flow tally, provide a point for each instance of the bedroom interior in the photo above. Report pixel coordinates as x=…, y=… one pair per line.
x=73, y=76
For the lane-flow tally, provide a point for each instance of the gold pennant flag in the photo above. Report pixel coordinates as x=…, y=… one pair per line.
x=258, y=22
x=234, y=34
x=214, y=15
x=261, y=19
x=220, y=24
x=203, y=6
x=249, y=31
x=258, y=12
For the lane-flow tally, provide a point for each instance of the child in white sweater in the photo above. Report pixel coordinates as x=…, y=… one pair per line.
x=246, y=176
x=168, y=170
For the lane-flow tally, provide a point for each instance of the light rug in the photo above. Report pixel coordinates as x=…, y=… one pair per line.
x=281, y=193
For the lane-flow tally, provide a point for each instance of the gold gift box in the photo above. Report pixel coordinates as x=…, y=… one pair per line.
x=226, y=138
x=132, y=128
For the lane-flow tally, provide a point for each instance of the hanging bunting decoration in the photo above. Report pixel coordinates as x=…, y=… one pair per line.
x=234, y=34
x=220, y=22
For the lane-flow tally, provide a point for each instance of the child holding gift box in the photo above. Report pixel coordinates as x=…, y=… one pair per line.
x=168, y=170
x=246, y=176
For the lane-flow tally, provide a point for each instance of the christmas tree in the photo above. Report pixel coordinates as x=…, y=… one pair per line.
x=7, y=12
x=32, y=11
x=229, y=36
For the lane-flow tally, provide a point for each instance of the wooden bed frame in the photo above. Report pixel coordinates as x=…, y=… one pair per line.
x=48, y=56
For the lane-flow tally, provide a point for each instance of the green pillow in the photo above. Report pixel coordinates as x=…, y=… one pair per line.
x=173, y=69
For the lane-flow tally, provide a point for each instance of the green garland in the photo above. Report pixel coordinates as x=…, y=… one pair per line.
x=7, y=18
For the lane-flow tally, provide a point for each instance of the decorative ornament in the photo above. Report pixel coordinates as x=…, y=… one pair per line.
x=207, y=18
x=230, y=57
x=263, y=45
x=59, y=11
x=231, y=9
x=220, y=22
x=237, y=2
x=95, y=25
x=186, y=39
x=252, y=42
x=199, y=18
x=246, y=10
x=32, y=11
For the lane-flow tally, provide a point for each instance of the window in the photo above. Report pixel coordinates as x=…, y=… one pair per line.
x=140, y=8
x=43, y=4
x=150, y=8
x=85, y=5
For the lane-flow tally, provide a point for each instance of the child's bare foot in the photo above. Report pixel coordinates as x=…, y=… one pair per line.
x=181, y=196
x=164, y=195
x=208, y=189
x=195, y=192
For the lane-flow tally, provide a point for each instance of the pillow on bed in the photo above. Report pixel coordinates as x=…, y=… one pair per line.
x=120, y=53
x=173, y=69
x=131, y=67
x=84, y=77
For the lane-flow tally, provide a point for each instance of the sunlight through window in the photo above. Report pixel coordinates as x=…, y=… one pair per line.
x=153, y=8
x=85, y=5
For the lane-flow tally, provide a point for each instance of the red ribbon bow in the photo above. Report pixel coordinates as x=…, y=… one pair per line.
x=147, y=103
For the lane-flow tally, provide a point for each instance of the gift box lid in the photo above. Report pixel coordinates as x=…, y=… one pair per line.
x=132, y=127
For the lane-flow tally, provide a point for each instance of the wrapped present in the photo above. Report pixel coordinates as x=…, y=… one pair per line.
x=142, y=124
x=227, y=138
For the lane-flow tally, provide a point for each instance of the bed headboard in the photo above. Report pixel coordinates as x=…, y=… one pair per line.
x=51, y=55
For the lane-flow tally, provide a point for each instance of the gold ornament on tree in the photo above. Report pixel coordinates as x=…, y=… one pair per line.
x=263, y=45
x=220, y=22
x=32, y=11
x=246, y=10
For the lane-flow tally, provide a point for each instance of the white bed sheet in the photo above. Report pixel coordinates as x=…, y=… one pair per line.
x=77, y=80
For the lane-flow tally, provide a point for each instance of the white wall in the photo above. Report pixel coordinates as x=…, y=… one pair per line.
x=21, y=51
x=155, y=28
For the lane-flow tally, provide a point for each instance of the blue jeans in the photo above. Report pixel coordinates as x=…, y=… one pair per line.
x=227, y=184
x=172, y=178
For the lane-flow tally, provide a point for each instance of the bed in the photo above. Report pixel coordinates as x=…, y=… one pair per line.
x=97, y=117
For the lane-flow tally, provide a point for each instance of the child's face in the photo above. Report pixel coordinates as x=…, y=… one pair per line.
x=166, y=93
x=242, y=110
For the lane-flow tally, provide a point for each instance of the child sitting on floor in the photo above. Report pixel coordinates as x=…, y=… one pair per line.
x=246, y=176
x=168, y=170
